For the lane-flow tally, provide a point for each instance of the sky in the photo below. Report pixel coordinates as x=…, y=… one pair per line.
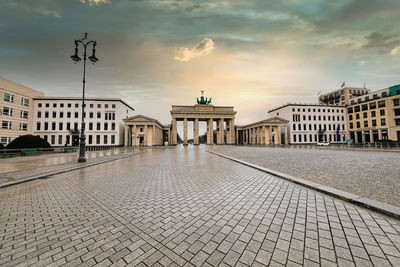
x=253, y=55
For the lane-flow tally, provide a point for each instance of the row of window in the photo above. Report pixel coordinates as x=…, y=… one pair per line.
x=8, y=125
x=69, y=105
x=373, y=123
x=365, y=114
x=10, y=98
x=108, y=115
x=374, y=96
x=363, y=107
x=5, y=140
x=296, y=117
x=75, y=126
x=303, y=138
x=320, y=127
x=319, y=110
x=92, y=139
x=10, y=112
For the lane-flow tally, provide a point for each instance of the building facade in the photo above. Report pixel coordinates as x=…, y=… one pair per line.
x=311, y=123
x=263, y=132
x=342, y=96
x=58, y=120
x=375, y=116
x=16, y=110
x=145, y=131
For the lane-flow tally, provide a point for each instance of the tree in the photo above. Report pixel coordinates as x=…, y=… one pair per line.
x=28, y=141
x=2, y=146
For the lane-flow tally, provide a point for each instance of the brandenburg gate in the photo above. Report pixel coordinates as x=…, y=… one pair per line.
x=204, y=111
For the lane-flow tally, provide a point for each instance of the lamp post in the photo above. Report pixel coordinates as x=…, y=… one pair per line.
x=93, y=59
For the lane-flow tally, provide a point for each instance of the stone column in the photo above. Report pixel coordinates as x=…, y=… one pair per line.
x=279, y=134
x=126, y=135
x=210, y=134
x=174, y=137
x=220, y=133
x=145, y=136
x=363, y=136
x=233, y=132
x=267, y=135
x=196, y=131
x=153, y=138
x=263, y=135
x=228, y=132
x=134, y=132
x=185, y=132
x=380, y=134
x=237, y=137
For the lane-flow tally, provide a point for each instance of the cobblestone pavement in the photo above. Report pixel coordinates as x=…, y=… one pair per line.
x=185, y=206
x=372, y=174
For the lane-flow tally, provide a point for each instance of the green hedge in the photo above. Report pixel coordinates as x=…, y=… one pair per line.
x=28, y=141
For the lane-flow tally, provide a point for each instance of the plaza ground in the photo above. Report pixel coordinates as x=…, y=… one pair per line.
x=184, y=206
x=371, y=173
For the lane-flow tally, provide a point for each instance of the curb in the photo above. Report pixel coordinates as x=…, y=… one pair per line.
x=364, y=202
x=45, y=175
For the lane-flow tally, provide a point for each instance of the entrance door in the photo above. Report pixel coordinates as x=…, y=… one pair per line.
x=141, y=140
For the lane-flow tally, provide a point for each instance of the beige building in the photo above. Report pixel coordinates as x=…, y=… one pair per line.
x=222, y=115
x=375, y=116
x=16, y=110
x=145, y=131
x=263, y=132
x=342, y=96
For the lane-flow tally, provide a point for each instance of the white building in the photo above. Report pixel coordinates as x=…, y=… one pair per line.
x=16, y=110
x=312, y=123
x=58, y=120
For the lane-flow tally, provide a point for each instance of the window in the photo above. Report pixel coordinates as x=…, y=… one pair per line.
x=98, y=105
x=383, y=122
x=113, y=126
x=396, y=102
x=61, y=105
x=397, y=112
x=97, y=139
x=77, y=105
x=67, y=141
x=105, y=126
x=53, y=126
x=112, y=139
x=47, y=105
x=53, y=139
x=294, y=138
x=90, y=138
x=351, y=125
x=76, y=115
x=365, y=115
x=7, y=111
x=25, y=102
x=358, y=124
x=68, y=126
x=69, y=105
x=45, y=137
x=46, y=126
x=357, y=116
x=91, y=105
x=54, y=105
x=397, y=122
x=309, y=118
x=373, y=122
x=384, y=94
x=105, y=105
x=6, y=125
x=61, y=114
x=105, y=139
x=60, y=139
x=373, y=113
x=39, y=105
x=98, y=126
x=68, y=114
x=54, y=114
x=356, y=108
x=382, y=112
x=23, y=126
x=299, y=137
x=5, y=140
x=38, y=126
x=305, y=138
x=299, y=127
x=99, y=115
x=364, y=107
x=8, y=97
x=365, y=123
x=75, y=126
x=381, y=104
x=113, y=106
x=60, y=126
x=46, y=114
x=294, y=127
x=350, y=117
x=90, y=126
x=91, y=115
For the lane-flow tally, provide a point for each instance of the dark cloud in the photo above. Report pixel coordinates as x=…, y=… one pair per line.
x=381, y=43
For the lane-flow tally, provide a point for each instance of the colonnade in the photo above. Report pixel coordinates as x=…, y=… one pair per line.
x=223, y=136
x=259, y=135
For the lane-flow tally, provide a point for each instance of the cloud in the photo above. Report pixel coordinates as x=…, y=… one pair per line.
x=381, y=42
x=201, y=49
x=395, y=50
x=95, y=2
x=46, y=7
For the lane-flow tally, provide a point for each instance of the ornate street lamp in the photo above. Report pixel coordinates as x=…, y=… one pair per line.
x=93, y=59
